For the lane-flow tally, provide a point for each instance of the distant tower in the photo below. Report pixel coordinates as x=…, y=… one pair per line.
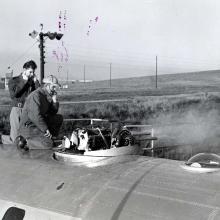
x=8, y=76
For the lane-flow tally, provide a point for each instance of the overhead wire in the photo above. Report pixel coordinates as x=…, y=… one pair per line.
x=141, y=54
x=24, y=53
x=137, y=61
x=146, y=60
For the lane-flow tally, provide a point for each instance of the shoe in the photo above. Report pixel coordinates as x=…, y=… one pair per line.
x=21, y=143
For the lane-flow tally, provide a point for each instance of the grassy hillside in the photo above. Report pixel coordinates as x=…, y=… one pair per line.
x=173, y=84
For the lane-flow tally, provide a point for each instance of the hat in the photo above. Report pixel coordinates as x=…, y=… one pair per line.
x=51, y=80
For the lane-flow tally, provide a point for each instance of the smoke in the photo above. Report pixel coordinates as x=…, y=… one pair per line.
x=194, y=127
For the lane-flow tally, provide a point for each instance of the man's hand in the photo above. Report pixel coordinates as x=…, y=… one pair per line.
x=25, y=77
x=48, y=134
x=34, y=78
x=54, y=98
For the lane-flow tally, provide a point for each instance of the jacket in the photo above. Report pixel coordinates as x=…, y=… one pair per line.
x=37, y=108
x=19, y=89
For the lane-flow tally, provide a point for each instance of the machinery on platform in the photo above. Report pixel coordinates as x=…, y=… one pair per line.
x=104, y=138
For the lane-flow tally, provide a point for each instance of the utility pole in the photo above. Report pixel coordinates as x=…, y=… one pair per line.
x=42, y=56
x=110, y=80
x=67, y=77
x=156, y=72
x=51, y=36
x=84, y=73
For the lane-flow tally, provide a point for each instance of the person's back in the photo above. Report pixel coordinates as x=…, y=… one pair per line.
x=37, y=108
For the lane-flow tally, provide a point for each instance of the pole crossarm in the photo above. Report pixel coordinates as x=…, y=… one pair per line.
x=51, y=36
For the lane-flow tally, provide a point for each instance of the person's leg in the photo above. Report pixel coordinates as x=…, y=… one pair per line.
x=35, y=138
x=14, y=122
x=54, y=123
x=40, y=143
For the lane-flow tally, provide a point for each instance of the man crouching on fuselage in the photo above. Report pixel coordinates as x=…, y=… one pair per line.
x=39, y=120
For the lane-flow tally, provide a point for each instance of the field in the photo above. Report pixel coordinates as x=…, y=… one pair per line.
x=184, y=109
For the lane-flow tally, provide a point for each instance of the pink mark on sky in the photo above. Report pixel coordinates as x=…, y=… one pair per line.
x=55, y=54
x=90, y=24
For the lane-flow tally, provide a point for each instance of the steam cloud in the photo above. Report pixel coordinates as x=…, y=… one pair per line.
x=200, y=130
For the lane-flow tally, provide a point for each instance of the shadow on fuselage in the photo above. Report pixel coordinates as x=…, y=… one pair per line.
x=10, y=151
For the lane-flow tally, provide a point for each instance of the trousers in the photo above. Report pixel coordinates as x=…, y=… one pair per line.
x=35, y=137
x=14, y=118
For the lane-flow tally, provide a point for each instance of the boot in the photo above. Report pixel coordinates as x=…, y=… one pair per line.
x=21, y=143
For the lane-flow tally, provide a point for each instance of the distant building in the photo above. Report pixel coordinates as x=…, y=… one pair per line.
x=85, y=80
x=65, y=86
x=4, y=80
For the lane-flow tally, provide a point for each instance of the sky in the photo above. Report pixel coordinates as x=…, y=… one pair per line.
x=121, y=36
